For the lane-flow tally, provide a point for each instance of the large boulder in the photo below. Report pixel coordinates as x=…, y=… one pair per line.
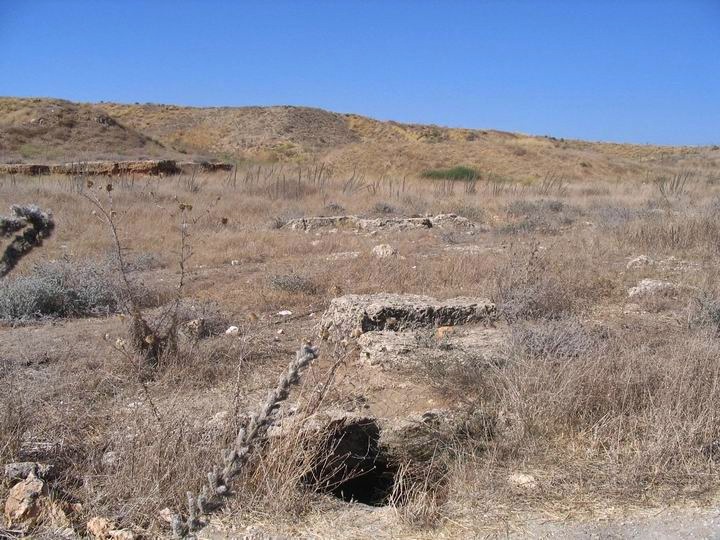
x=353, y=315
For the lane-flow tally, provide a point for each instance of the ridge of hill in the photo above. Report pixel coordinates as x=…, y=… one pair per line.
x=33, y=129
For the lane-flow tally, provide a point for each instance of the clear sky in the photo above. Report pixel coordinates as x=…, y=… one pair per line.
x=628, y=71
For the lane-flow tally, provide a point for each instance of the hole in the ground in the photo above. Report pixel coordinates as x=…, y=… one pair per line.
x=352, y=466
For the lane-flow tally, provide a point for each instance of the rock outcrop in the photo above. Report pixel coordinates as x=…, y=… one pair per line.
x=353, y=315
x=470, y=346
x=152, y=167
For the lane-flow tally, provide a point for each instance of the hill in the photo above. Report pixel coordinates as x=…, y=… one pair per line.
x=32, y=129
x=52, y=130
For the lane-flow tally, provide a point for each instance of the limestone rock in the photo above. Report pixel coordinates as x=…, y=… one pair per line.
x=650, y=287
x=24, y=505
x=352, y=315
x=383, y=251
x=639, y=262
x=523, y=481
x=469, y=346
x=194, y=329
x=378, y=224
x=99, y=527
x=102, y=528
x=21, y=470
x=422, y=437
x=343, y=256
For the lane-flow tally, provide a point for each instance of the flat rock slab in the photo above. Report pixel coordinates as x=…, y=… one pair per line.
x=469, y=346
x=376, y=224
x=353, y=315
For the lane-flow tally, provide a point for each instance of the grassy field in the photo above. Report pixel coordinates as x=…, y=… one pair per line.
x=598, y=398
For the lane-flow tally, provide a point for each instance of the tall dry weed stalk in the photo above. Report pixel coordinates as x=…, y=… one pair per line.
x=248, y=437
x=160, y=339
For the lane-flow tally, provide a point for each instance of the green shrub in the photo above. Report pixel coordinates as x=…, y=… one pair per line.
x=454, y=173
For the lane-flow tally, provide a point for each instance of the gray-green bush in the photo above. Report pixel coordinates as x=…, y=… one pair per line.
x=60, y=289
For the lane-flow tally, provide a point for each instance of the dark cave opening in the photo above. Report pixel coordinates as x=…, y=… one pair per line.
x=353, y=467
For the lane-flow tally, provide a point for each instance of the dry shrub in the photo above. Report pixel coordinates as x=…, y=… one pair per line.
x=419, y=494
x=14, y=421
x=294, y=284
x=61, y=288
x=277, y=478
x=527, y=287
x=672, y=233
x=635, y=412
x=544, y=216
x=706, y=312
x=472, y=212
x=561, y=339
x=383, y=208
x=154, y=462
x=335, y=208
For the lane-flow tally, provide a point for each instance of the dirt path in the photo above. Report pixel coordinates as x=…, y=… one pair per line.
x=359, y=522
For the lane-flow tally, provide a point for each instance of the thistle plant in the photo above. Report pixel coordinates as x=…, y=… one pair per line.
x=152, y=341
x=235, y=457
x=34, y=226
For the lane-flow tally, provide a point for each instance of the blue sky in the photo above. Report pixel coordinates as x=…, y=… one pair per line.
x=628, y=71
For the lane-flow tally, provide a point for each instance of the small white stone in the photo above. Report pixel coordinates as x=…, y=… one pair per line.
x=232, y=330
x=521, y=480
x=640, y=261
x=284, y=313
x=281, y=331
x=383, y=251
x=648, y=287
x=234, y=262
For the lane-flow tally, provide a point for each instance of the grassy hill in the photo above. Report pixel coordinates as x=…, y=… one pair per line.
x=56, y=130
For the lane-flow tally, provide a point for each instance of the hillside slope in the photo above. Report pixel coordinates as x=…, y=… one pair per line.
x=54, y=130
x=32, y=129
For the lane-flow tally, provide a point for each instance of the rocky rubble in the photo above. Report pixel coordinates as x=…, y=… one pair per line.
x=378, y=224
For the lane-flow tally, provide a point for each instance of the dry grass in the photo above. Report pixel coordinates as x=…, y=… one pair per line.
x=601, y=401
